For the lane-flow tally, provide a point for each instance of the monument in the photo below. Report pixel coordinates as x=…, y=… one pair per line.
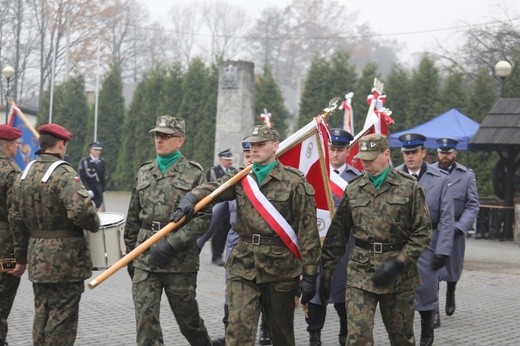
x=235, y=107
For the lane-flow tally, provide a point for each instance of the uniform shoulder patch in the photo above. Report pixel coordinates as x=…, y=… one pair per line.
x=196, y=164
x=294, y=170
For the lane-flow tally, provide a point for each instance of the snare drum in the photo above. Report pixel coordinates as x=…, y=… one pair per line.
x=107, y=245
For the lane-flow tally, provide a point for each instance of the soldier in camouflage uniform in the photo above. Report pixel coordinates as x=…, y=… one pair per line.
x=263, y=272
x=386, y=213
x=12, y=245
x=171, y=264
x=52, y=207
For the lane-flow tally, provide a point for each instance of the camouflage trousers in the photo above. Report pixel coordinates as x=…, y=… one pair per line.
x=396, y=309
x=8, y=287
x=147, y=288
x=56, y=313
x=247, y=299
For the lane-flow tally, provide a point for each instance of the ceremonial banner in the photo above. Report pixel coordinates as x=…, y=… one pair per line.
x=27, y=150
x=348, y=113
x=377, y=121
x=311, y=156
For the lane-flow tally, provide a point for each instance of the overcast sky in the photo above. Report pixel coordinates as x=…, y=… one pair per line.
x=418, y=24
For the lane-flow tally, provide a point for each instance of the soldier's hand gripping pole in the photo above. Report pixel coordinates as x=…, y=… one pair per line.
x=165, y=230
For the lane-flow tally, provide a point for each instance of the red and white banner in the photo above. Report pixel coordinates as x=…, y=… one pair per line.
x=377, y=121
x=348, y=113
x=311, y=156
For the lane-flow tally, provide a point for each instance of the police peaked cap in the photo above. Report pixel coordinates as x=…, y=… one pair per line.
x=447, y=144
x=340, y=137
x=411, y=141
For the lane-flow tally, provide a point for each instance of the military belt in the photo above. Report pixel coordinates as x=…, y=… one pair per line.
x=57, y=233
x=3, y=224
x=7, y=264
x=379, y=247
x=154, y=226
x=257, y=239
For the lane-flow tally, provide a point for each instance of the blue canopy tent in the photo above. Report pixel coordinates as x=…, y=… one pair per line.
x=452, y=124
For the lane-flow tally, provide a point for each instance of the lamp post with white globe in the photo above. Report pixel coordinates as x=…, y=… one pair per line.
x=502, y=71
x=8, y=73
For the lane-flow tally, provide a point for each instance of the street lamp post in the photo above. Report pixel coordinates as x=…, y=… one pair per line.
x=502, y=70
x=8, y=73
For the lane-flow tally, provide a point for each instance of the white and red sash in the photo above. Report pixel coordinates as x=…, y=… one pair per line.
x=272, y=216
x=337, y=184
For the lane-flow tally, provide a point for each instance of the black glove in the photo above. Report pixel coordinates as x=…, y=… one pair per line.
x=130, y=269
x=308, y=287
x=185, y=207
x=387, y=272
x=324, y=291
x=439, y=261
x=160, y=254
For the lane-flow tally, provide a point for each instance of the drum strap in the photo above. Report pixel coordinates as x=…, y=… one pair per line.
x=47, y=174
x=26, y=170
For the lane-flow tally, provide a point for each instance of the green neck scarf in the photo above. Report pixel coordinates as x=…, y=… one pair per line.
x=262, y=171
x=378, y=180
x=165, y=162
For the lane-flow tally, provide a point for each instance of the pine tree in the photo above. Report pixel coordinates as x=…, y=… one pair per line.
x=111, y=116
x=316, y=94
x=363, y=89
x=453, y=92
x=342, y=79
x=269, y=96
x=397, y=87
x=424, y=93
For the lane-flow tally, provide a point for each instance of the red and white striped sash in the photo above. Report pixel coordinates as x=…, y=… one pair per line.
x=272, y=216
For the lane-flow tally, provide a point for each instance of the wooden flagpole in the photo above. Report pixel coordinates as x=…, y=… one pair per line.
x=284, y=146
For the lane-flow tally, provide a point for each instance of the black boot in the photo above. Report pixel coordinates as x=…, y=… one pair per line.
x=426, y=328
x=3, y=343
x=265, y=339
x=436, y=319
x=342, y=336
x=450, y=298
x=342, y=314
x=315, y=338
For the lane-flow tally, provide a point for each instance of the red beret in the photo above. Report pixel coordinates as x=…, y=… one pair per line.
x=56, y=131
x=9, y=133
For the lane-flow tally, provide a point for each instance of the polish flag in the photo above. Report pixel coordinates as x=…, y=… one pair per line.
x=311, y=156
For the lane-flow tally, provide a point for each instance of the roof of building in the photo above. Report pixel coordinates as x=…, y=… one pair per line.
x=500, y=129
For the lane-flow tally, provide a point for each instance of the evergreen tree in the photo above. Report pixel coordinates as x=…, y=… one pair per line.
x=70, y=110
x=453, y=92
x=424, y=93
x=316, y=93
x=342, y=79
x=207, y=126
x=170, y=97
x=111, y=116
x=269, y=96
x=195, y=93
x=397, y=87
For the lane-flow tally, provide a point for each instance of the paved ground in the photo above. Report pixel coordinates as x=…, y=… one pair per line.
x=488, y=303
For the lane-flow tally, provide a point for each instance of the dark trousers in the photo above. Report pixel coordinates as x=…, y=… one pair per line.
x=218, y=242
x=317, y=313
x=8, y=287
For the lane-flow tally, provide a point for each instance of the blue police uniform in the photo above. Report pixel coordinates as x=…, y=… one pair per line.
x=437, y=188
x=317, y=310
x=466, y=206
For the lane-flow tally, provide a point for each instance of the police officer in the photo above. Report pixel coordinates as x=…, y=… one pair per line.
x=338, y=151
x=52, y=206
x=436, y=186
x=13, y=246
x=264, y=270
x=92, y=173
x=466, y=205
x=171, y=265
x=385, y=212
x=219, y=235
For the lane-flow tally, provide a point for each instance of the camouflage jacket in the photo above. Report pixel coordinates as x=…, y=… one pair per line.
x=395, y=213
x=289, y=192
x=10, y=244
x=154, y=198
x=58, y=205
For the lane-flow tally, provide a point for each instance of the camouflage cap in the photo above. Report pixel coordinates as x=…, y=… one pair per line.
x=170, y=125
x=262, y=133
x=371, y=146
